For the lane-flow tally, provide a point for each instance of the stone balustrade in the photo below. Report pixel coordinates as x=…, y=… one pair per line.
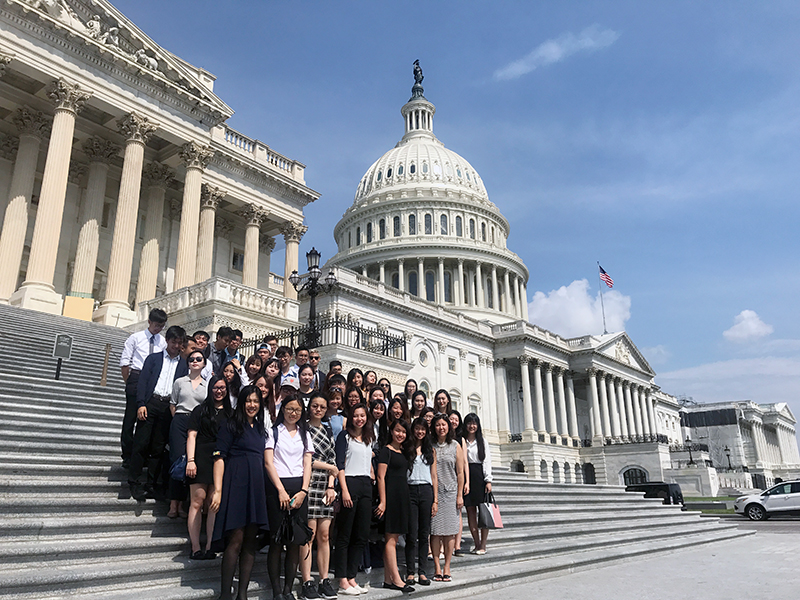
x=258, y=152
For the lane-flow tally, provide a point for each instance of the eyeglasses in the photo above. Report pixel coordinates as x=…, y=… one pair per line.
x=294, y=411
x=220, y=390
x=195, y=359
x=313, y=358
x=384, y=385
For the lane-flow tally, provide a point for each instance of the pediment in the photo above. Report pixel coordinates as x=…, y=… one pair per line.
x=111, y=33
x=620, y=348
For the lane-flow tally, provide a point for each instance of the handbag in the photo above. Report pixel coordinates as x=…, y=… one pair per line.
x=292, y=530
x=178, y=469
x=489, y=514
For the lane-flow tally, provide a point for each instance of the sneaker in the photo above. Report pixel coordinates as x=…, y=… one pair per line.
x=325, y=589
x=364, y=588
x=351, y=591
x=309, y=590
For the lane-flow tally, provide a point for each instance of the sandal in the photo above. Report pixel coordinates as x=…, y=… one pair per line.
x=447, y=578
x=438, y=577
x=173, y=514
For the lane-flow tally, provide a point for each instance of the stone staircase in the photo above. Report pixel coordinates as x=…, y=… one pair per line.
x=69, y=528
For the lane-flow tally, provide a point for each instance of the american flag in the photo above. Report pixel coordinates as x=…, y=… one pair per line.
x=606, y=277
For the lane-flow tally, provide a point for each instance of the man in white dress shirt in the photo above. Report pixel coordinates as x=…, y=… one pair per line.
x=137, y=348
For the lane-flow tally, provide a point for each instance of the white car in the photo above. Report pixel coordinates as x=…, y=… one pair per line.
x=781, y=499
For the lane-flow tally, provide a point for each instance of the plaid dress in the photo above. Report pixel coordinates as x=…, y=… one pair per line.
x=323, y=452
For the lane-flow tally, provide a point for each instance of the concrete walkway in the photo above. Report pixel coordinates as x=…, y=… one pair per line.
x=764, y=565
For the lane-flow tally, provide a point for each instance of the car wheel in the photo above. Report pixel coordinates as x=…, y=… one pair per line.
x=755, y=512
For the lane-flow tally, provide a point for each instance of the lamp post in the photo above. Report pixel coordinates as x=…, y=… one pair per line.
x=313, y=286
x=689, y=446
x=728, y=454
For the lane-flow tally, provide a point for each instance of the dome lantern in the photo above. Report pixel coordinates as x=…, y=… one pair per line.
x=418, y=111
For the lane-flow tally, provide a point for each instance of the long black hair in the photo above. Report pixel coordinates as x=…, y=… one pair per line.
x=426, y=448
x=458, y=432
x=367, y=431
x=407, y=448
x=434, y=436
x=234, y=386
x=448, y=407
x=383, y=422
x=238, y=422
x=473, y=418
x=208, y=410
x=302, y=423
x=405, y=389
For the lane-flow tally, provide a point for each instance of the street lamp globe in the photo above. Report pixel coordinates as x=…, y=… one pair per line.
x=294, y=279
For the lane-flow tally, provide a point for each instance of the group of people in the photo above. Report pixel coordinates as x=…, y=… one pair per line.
x=278, y=456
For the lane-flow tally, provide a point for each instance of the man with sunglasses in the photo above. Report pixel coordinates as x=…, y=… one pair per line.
x=319, y=376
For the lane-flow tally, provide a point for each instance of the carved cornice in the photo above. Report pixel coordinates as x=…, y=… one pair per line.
x=210, y=197
x=525, y=359
x=253, y=215
x=68, y=96
x=196, y=156
x=500, y=362
x=31, y=122
x=223, y=227
x=592, y=372
x=136, y=128
x=266, y=243
x=5, y=59
x=158, y=175
x=442, y=347
x=9, y=147
x=293, y=232
x=463, y=354
x=77, y=172
x=100, y=150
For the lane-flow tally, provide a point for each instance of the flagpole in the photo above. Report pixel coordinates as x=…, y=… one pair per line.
x=602, y=304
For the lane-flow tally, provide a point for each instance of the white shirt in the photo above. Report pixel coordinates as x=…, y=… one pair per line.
x=208, y=371
x=288, y=456
x=167, y=376
x=358, y=459
x=473, y=458
x=137, y=348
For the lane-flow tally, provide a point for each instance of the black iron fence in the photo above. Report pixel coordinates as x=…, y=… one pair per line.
x=688, y=447
x=647, y=438
x=335, y=330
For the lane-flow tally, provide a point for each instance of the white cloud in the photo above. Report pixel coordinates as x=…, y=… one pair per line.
x=570, y=311
x=747, y=326
x=552, y=51
x=657, y=355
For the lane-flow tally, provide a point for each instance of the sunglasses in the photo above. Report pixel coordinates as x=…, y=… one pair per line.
x=194, y=359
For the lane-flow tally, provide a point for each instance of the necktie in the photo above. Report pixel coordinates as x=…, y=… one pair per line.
x=152, y=343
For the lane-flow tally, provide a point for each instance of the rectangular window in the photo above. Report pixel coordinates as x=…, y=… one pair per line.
x=473, y=371
x=412, y=225
x=428, y=225
x=451, y=364
x=237, y=260
x=106, y=220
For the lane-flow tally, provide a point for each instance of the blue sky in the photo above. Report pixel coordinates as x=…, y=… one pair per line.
x=662, y=139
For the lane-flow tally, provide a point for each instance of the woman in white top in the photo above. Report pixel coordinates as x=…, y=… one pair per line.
x=354, y=461
x=479, y=482
x=250, y=370
x=423, y=487
x=288, y=462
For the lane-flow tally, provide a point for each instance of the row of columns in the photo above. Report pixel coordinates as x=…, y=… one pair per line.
x=788, y=444
x=194, y=262
x=620, y=408
x=550, y=410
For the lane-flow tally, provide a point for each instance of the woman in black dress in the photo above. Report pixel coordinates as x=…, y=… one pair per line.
x=395, y=499
x=239, y=497
x=200, y=445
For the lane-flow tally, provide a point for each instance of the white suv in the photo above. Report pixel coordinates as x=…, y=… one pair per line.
x=783, y=499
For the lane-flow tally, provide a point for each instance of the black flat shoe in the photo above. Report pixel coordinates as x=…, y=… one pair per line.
x=425, y=581
x=199, y=555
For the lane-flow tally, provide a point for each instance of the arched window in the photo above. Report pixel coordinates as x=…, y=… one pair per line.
x=567, y=473
x=349, y=239
x=412, y=169
x=443, y=223
x=382, y=229
x=556, y=472
x=388, y=173
x=428, y=225
x=459, y=227
x=358, y=236
x=430, y=287
x=493, y=235
x=396, y=226
x=472, y=229
x=424, y=167
x=412, y=224
x=412, y=284
x=448, y=287
x=489, y=299
x=543, y=469
x=378, y=178
x=396, y=281
x=589, y=476
x=400, y=170
x=483, y=232
x=633, y=476
x=369, y=232
x=465, y=289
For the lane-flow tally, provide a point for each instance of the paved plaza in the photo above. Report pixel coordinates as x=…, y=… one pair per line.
x=764, y=565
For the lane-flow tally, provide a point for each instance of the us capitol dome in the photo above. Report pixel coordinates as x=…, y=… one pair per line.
x=422, y=222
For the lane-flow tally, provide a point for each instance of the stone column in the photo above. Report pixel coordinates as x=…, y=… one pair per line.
x=613, y=409
x=421, y=279
x=382, y=271
x=501, y=396
x=539, y=397
x=573, y=414
x=596, y=422
x=364, y=271
x=441, y=281
x=507, y=295
x=524, y=291
x=643, y=406
x=518, y=296
x=479, y=279
x=604, y=412
x=495, y=295
x=551, y=402
x=471, y=299
x=460, y=297
x=292, y=234
x=563, y=425
x=266, y=244
x=100, y=153
x=631, y=422
x=254, y=216
x=196, y=158
x=116, y=309
x=623, y=425
x=156, y=178
x=637, y=410
x=210, y=198
x=527, y=407
x=33, y=127
x=651, y=413
x=401, y=275
x=38, y=292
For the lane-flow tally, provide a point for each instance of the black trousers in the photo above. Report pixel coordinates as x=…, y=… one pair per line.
x=419, y=531
x=178, y=432
x=150, y=440
x=129, y=420
x=353, y=527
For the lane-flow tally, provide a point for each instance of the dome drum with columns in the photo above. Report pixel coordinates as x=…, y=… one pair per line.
x=423, y=223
